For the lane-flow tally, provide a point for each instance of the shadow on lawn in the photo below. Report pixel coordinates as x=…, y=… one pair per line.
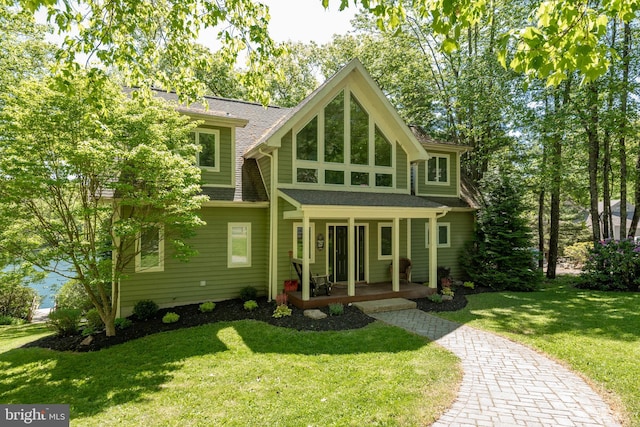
x=92, y=382
x=562, y=308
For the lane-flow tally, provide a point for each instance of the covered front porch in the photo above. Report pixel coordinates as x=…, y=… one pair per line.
x=365, y=292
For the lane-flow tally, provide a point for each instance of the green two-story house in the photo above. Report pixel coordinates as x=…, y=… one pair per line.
x=339, y=183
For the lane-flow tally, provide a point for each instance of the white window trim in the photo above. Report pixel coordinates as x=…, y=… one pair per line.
x=312, y=242
x=380, y=226
x=230, y=263
x=447, y=158
x=439, y=245
x=138, y=262
x=215, y=132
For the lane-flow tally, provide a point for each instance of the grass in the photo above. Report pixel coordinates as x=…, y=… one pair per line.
x=235, y=373
x=596, y=333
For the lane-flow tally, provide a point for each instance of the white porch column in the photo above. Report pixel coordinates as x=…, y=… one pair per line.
x=351, y=285
x=395, y=250
x=433, y=252
x=305, y=258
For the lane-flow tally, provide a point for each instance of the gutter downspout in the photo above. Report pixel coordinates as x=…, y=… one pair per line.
x=273, y=229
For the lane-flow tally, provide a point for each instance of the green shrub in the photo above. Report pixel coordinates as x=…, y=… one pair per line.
x=612, y=266
x=88, y=330
x=145, y=309
x=94, y=320
x=469, y=285
x=122, y=323
x=336, y=309
x=447, y=291
x=248, y=293
x=578, y=253
x=17, y=301
x=73, y=295
x=170, y=317
x=207, y=307
x=281, y=311
x=437, y=298
x=65, y=321
x=250, y=305
x=8, y=320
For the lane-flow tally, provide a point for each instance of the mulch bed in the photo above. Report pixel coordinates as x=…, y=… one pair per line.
x=227, y=311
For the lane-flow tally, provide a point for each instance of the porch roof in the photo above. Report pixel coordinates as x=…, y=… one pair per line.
x=326, y=203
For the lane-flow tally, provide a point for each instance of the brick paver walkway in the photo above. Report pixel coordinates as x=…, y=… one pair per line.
x=504, y=383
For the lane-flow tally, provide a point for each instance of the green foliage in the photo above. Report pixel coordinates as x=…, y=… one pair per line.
x=469, y=285
x=336, y=309
x=16, y=297
x=612, y=266
x=170, y=317
x=250, y=305
x=122, y=323
x=578, y=253
x=282, y=310
x=248, y=293
x=447, y=291
x=207, y=307
x=73, y=295
x=65, y=321
x=73, y=146
x=94, y=320
x=145, y=309
x=437, y=298
x=499, y=256
x=8, y=320
x=88, y=330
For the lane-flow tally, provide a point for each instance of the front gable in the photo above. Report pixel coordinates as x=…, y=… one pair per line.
x=345, y=136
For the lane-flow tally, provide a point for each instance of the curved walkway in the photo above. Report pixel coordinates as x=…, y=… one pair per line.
x=504, y=383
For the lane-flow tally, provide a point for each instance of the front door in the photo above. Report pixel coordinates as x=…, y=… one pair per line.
x=338, y=252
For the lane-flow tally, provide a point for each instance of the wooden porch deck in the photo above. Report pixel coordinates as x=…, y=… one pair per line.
x=364, y=292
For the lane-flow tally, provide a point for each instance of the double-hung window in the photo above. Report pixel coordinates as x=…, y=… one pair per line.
x=150, y=249
x=438, y=169
x=209, y=154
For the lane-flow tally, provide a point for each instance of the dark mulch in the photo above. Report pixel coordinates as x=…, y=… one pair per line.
x=227, y=311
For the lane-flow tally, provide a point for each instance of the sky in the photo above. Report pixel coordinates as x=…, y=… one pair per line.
x=307, y=20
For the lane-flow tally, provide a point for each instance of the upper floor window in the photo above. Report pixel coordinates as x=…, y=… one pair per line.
x=209, y=142
x=334, y=130
x=438, y=169
x=383, y=149
x=307, y=141
x=359, y=134
x=150, y=249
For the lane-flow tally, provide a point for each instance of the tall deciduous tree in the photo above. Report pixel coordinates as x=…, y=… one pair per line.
x=83, y=171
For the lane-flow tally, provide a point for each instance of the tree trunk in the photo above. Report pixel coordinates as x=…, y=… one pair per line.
x=624, y=96
x=541, y=256
x=591, y=127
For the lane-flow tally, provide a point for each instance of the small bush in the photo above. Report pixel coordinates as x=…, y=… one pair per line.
x=8, y=320
x=578, y=253
x=145, y=309
x=88, y=330
x=250, y=305
x=612, y=266
x=336, y=309
x=207, y=307
x=248, y=293
x=282, y=311
x=65, y=321
x=447, y=291
x=170, y=317
x=122, y=323
x=469, y=285
x=437, y=298
x=94, y=320
x=73, y=295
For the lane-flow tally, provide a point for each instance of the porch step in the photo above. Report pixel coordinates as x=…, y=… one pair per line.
x=391, y=304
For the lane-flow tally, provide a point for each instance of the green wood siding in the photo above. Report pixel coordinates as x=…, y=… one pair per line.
x=401, y=168
x=227, y=160
x=180, y=283
x=265, y=169
x=461, y=232
x=285, y=159
x=451, y=189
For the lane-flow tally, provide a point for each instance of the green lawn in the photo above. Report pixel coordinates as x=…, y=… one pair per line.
x=595, y=333
x=238, y=374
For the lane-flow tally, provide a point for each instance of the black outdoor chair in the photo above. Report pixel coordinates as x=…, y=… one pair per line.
x=316, y=282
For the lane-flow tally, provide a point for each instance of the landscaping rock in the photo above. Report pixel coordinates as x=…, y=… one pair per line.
x=315, y=314
x=87, y=341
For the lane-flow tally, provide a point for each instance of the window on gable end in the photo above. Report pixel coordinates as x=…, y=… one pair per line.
x=334, y=130
x=383, y=149
x=359, y=134
x=307, y=141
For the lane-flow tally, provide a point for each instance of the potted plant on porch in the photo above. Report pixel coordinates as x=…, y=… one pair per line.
x=290, y=285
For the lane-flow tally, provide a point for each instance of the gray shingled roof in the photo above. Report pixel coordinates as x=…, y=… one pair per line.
x=351, y=198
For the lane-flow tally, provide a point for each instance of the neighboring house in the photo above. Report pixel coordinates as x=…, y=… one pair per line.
x=339, y=182
x=615, y=218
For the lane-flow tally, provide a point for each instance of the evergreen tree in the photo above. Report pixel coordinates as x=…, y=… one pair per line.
x=500, y=255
